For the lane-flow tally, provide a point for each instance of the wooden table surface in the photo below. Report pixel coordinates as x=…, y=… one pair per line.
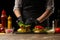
x=29, y=36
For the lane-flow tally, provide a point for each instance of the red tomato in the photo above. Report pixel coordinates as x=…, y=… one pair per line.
x=57, y=30
x=40, y=27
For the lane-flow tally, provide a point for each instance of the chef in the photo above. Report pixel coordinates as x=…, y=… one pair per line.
x=34, y=12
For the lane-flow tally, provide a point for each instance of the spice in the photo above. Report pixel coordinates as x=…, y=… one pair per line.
x=9, y=22
x=3, y=18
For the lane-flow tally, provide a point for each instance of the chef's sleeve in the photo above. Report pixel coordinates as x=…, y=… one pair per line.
x=17, y=4
x=50, y=5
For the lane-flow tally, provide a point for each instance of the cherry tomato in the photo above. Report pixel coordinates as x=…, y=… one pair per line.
x=57, y=30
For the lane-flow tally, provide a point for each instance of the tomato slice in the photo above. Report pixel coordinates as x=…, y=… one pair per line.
x=40, y=27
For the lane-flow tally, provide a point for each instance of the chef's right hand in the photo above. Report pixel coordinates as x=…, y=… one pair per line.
x=19, y=19
x=29, y=21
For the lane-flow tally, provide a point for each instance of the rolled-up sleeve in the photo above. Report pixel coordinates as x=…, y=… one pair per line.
x=17, y=4
x=50, y=5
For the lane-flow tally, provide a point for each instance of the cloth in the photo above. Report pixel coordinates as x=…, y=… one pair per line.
x=50, y=3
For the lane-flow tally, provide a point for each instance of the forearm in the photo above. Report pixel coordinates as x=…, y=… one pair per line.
x=48, y=12
x=44, y=16
x=16, y=8
x=17, y=13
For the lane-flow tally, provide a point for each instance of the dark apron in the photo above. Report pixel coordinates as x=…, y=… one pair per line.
x=34, y=9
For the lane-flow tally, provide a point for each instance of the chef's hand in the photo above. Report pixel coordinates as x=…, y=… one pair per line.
x=31, y=21
x=19, y=19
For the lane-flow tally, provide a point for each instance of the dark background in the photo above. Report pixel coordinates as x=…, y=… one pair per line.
x=9, y=4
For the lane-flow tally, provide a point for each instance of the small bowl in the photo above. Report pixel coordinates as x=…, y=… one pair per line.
x=9, y=30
